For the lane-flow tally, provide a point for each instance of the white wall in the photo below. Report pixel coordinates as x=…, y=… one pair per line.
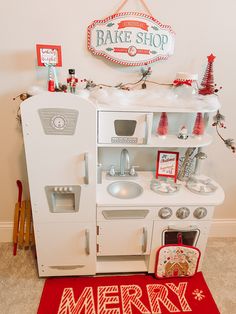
x=202, y=27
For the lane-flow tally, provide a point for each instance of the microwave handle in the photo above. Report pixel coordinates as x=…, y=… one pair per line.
x=86, y=163
x=149, y=118
x=180, y=228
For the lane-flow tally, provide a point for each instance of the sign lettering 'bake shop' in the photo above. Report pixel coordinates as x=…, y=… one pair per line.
x=131, y=38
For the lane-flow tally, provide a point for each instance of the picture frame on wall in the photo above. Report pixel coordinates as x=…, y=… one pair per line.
x=167, y=164
x=49, y=55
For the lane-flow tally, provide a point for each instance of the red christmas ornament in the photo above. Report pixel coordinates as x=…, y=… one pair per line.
x=199, y=125
x=208, y=85
x=163, y=124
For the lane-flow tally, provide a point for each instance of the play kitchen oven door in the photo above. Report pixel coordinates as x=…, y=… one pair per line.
x=194, y=233
x=117, y=127
x=190, y=235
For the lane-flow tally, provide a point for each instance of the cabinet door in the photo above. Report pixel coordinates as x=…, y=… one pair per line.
x=124, y=237
x=63, y=247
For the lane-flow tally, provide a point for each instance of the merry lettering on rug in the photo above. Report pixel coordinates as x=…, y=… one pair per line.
x=137, y=294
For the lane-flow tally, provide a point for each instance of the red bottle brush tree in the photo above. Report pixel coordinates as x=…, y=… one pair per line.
x=163, y=125
x=199, y=125
x=208, y=85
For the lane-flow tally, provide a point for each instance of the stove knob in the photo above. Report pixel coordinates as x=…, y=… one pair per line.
x=200, y=212
x=165, y=213
x=65, y=189
x=182, y=213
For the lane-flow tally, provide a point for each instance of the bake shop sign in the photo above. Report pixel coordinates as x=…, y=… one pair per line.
x=131, y=38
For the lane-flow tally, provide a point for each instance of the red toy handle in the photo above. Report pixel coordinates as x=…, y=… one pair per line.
x=179, y=237
x=19, y=184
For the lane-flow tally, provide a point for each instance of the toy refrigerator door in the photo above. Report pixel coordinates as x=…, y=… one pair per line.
x=68, y=252
x=60, y=144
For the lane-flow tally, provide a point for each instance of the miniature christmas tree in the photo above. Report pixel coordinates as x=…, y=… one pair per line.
x=208, y=86
x=163, y=125
x=198, y=125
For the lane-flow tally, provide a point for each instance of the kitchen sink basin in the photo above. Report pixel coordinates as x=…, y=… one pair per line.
x=124, y=189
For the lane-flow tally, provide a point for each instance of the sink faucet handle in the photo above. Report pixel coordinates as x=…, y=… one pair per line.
x=132, y=171
x=112, y=171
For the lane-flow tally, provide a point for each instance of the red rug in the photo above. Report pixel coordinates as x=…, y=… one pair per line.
x=126, y=295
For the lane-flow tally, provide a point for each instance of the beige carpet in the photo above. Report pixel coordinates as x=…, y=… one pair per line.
x=20, y=287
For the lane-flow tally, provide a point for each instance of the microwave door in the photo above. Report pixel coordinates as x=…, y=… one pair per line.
x=124, y=127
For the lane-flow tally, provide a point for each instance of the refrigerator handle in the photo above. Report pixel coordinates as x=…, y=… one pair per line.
x=86, y=159
x=87, y=247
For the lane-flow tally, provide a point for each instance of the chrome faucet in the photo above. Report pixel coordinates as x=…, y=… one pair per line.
x=124, y=161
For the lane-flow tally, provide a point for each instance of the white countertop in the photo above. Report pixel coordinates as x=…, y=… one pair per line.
x=151, y=198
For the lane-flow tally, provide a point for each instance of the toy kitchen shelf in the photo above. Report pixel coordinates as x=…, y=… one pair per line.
x=196, y=103
x=189, y=106
x=169, y=141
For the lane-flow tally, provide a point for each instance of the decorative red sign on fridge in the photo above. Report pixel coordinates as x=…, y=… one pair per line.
x=131, y=38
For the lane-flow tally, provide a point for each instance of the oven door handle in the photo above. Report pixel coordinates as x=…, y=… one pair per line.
x=180, y=228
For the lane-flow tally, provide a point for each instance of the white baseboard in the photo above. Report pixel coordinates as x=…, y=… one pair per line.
x=223, y=228
x=219, y=228
x=6, y=231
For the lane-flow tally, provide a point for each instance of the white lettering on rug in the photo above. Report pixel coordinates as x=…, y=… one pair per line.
x=157, y=294
x=108, y=301
x=104, y=300
x=131, y=294
x=180, y=292
x=69, y=306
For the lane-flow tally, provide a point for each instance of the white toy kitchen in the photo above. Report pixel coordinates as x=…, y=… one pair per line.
x=94, y=194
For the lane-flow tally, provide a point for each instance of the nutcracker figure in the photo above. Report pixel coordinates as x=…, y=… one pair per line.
x=72, y=81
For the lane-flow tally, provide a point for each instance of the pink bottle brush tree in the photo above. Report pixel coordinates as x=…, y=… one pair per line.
x=199, y=127
x=162, y=129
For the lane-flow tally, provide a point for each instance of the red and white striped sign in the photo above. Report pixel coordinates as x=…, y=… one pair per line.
x=131, y=38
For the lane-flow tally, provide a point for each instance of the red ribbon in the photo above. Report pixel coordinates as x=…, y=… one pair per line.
x=182, y=82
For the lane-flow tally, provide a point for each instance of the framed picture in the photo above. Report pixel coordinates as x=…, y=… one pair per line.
x=49, y=54
x=167, y=164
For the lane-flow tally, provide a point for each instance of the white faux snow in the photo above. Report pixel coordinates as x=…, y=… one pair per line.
x=154, y=99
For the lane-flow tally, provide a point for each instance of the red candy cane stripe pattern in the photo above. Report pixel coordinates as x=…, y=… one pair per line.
x=68, y=304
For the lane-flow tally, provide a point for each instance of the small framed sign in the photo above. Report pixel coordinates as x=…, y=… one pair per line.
x=49, y=55
x=167, y=164
x=131, y=39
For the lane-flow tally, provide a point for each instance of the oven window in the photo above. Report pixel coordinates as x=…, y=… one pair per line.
x=188, y=237
x=125, y=127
